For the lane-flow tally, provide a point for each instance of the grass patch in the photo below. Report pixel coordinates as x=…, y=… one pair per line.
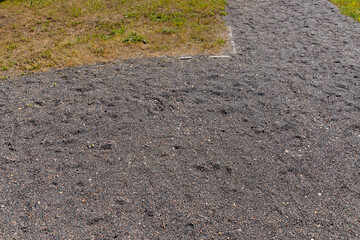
x=41, y=34
x=349, y=7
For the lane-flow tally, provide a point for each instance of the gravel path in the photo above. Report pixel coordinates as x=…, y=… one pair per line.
x=264, y=145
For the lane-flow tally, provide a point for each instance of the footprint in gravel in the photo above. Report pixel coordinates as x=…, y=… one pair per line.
x=120, y=201
x=80, y=184
x=224, y=111
x=33, y=122
x=189, y=225
x=215, y=166
x=94, y=221
x=106, y=146
x=149, y=213
x=200, y=168
x=177, y=147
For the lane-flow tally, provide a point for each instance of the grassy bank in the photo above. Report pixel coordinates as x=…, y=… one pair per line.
x=349, y=7
x=41, y=34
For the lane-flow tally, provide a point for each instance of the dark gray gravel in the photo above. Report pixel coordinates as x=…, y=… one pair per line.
x=265, y=145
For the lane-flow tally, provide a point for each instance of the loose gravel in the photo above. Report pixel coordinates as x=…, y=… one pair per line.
x=262, y=145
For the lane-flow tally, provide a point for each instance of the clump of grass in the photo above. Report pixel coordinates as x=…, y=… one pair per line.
x=349, y=7
x=41, y=34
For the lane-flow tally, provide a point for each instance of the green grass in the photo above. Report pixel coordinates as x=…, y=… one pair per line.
x=41, y=34
x=349, y=7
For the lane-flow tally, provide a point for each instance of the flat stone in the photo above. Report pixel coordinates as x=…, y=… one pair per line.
x=220, y=56
x=185, y=58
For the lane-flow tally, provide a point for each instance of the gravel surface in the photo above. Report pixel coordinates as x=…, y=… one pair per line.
x=264, y=145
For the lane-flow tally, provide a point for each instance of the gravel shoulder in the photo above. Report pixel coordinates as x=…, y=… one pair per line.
x=264, y=145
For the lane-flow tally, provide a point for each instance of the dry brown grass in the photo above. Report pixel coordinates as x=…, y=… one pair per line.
x=42, y=34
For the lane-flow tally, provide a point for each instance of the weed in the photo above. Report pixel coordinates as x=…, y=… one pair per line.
x=11, y=47
x=98, y=52
x=76, y=12
x=168, y=30
x=75, y=23
x=159, y=17
x=96, y=5
x=178, y=19
x=11, y=64
x=132, y=15
x=25, y=40
x=118, y=31
x=221, y=42
x=223, y=13
x=29, y=105
x=160, y=47
x=104, y=36
x=25, y=73
x=35, y=67
x=45, y=54
x=134, y=38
